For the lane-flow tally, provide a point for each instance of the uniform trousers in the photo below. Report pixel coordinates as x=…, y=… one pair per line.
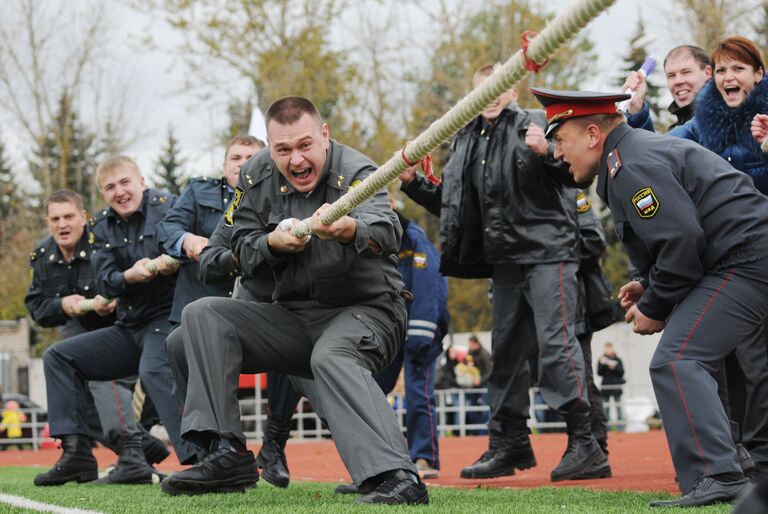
x=338, y=347
x=282, y=397
x=420, y=413
x=110, y=416
x=534, y=305
x=114, y=352
x=725, y=310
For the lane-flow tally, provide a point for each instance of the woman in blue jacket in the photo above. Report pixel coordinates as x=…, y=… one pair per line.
x=726, y=106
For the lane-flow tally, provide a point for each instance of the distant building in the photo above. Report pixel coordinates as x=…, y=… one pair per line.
x=14, y=355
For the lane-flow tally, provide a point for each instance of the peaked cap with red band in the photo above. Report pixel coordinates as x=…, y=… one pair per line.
x=564, y=105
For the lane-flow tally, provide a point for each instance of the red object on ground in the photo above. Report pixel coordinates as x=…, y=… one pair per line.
x=640, y=462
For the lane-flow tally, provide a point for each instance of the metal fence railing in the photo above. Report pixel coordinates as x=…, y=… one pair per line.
x=460, y=412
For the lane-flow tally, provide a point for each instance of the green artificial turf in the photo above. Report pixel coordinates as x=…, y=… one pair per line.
x=302, y=498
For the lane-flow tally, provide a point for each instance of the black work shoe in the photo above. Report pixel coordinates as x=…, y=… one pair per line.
x=706, y=492
x=501, y=462
x=155, y=450
x=220, y=471
x=274, y=467
x=76, y=464
x=402, y=487
x=583, y=458
x=752, y=500
x=346, y=489
x=582, y=462
x=745, y=460
x=132, y=466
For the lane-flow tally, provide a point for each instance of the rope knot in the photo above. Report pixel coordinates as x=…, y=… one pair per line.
x=426, y=166
x=530, y=64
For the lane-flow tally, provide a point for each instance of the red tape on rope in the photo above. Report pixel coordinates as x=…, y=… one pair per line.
x=530, y=64
x=426, y=166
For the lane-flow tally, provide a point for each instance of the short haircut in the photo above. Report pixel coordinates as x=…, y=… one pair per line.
x=244, y=140
x=289, y=109
x=699, y=55
x=604, y=121
x=111, y=164
x=741, y=49
x=484, y=71
x=64, y=196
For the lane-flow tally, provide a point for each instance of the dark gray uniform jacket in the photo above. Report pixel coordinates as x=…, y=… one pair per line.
x=680, y=210
x=326, y=272
x=217, y=265
x=197, y=211
x=530, y=214
x=118, y=244
x=53, y=278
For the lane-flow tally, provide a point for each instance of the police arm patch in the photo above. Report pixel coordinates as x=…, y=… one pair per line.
x=229, y=216
x=582, y=202
x=646, y=203
x=419, y=260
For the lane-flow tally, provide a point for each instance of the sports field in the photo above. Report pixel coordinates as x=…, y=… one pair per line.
x=640, y=462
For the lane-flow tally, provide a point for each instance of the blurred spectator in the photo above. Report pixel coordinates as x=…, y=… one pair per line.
x=479, y=363
x=612, y=370
x=11, y=423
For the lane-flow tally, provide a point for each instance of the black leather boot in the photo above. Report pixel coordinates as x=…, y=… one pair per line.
x=77, y=463
x=506, y=452
x=583, y=457
x=132, y=466
x=271, y=458
x=155, y=450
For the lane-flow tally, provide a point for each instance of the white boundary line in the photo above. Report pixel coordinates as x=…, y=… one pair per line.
x=26, y=503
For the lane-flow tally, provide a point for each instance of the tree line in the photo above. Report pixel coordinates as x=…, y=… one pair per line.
x=353, y=59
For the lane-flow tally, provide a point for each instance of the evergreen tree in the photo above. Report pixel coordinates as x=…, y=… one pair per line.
x=66, y=155
x=239, y=115
x=637, y=55
x=168, y=169
x=10, y=198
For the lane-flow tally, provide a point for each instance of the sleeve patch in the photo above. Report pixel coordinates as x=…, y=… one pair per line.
x=646, y=203
x=229, y=216
x=582, y=203
x=419, y=260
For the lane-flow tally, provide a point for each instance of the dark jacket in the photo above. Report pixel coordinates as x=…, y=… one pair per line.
x=680, y=210
x=197, y=211
x=726, y=130
x=596, y=308
x=217, y=265
x=53, y=278
x=643, y=119
x=118, y=244
x=611, y=376
x=324, y=272
x=428, y=312
x=529, y=213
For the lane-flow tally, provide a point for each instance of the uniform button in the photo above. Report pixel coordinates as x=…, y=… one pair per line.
x=130, y=307
x=141, y=238
x=57, y=295
x=87, y=288
x=230, y=293
x=482, y=162
x=69, y=267
x=108, y=245
x=487, y=230
x=488, y=138
x=125, y=240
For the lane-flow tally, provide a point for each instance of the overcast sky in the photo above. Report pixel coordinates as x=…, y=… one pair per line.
x=156, y=79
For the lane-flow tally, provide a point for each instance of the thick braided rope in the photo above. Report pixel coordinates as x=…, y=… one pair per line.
x=88, y=305
x=557, y=32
